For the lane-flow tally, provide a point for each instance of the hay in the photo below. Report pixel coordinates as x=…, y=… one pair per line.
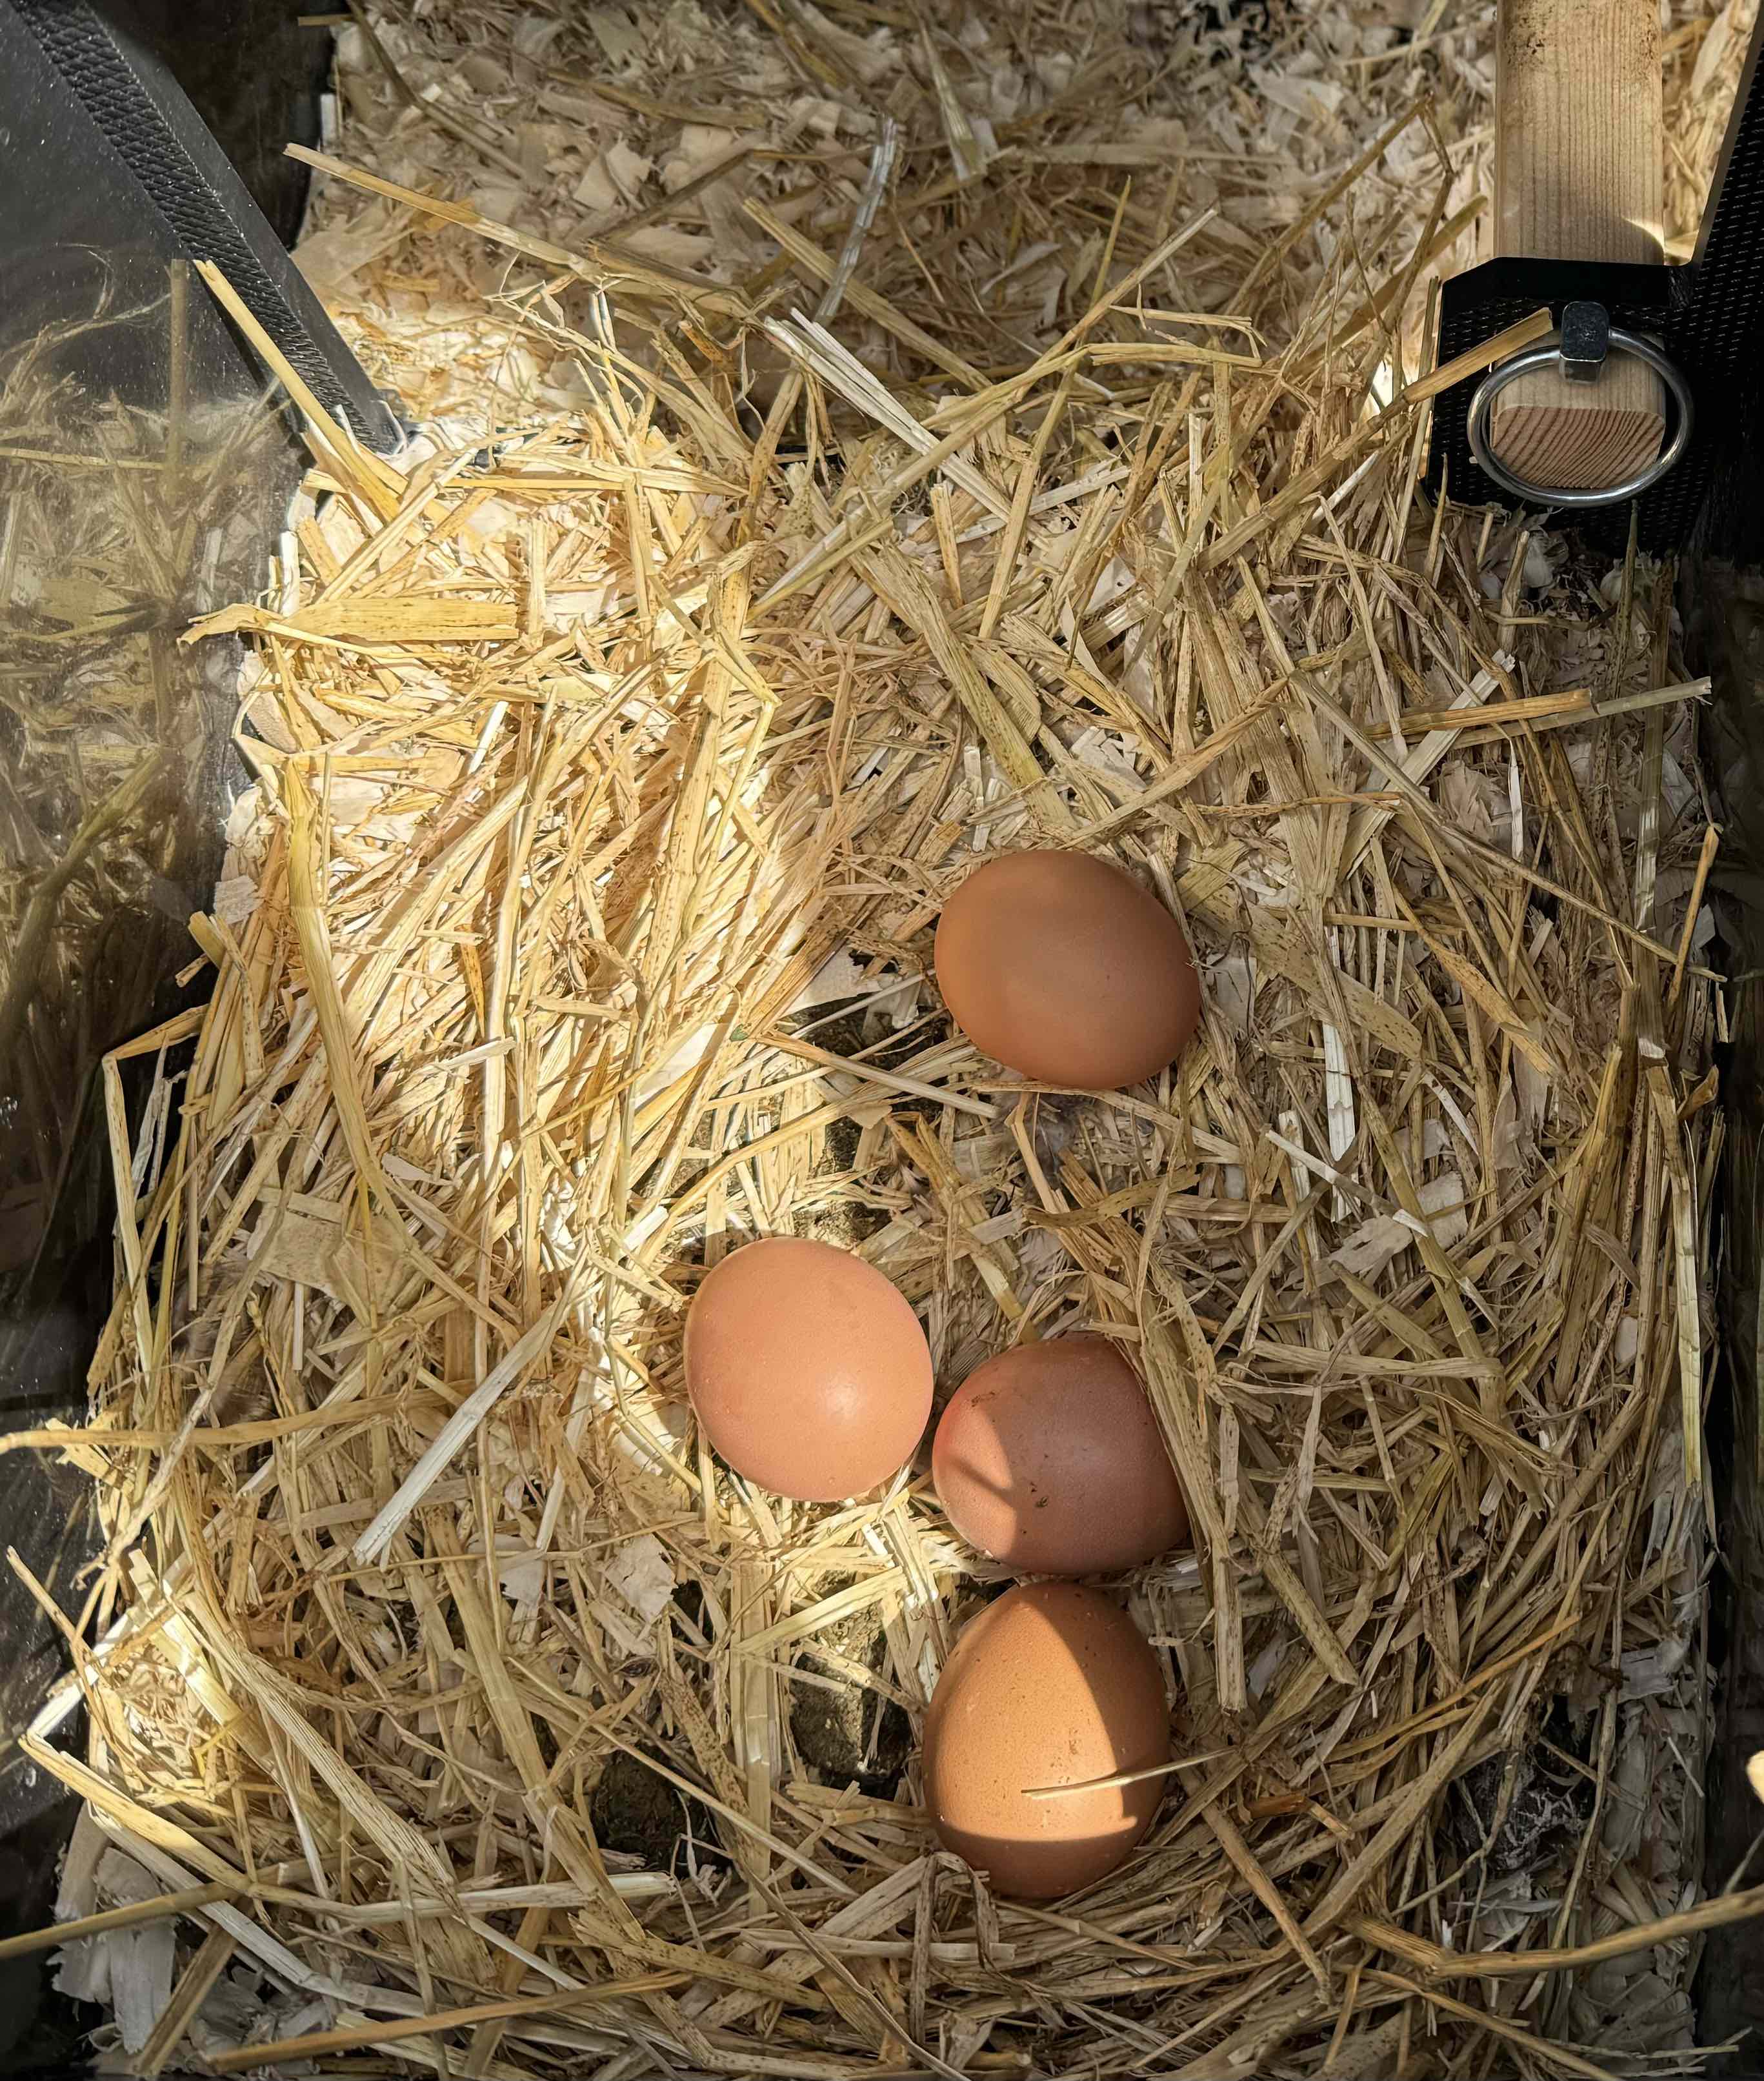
x=613, y=754
x=116, y=525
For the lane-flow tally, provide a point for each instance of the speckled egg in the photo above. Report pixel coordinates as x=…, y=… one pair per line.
x=1049, y=1458
x=808, y=1370
x=1063, y=969
x=1052, y=1685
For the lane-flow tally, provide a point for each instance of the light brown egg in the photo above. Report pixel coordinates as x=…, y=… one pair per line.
x=1052, y=1685
x=1066, y=970
x=1049, y=1458
x=809, y=1371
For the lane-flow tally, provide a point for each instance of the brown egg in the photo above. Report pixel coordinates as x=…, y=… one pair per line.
x=1066, y=970
x=1049, y=1458
x=809, y=1371
x=1052, y=1685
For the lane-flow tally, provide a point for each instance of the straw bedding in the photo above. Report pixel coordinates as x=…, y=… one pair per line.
x=977, y=433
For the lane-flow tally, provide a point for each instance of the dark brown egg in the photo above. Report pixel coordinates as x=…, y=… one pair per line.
x=809, y=1371
x=1052, y=1685
x=1066, y=970
x=1049, y=1458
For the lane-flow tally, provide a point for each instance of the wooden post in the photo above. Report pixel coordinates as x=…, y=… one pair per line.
x=1579, y=174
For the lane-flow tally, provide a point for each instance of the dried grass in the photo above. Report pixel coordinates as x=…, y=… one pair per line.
x=115, y=526
x=613, y=755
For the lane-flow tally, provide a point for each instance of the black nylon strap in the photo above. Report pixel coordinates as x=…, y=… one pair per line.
x=143, y=116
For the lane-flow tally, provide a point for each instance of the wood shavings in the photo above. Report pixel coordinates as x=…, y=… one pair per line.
x=614, y=757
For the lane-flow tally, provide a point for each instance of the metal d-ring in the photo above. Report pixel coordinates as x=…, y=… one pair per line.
x=1548, y=354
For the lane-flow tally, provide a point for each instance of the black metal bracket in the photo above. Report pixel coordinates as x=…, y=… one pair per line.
x=1655, y=300
x=1708, y=315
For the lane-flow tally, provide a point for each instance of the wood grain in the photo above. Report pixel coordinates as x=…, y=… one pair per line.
x=1579, y=174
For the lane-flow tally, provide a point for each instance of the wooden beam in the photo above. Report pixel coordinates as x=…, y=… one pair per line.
x=1579, y=174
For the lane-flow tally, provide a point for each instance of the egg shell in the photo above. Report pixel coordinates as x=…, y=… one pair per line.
x=1063, y=969
x=809, y=1371
x=1052, y=1684
x=1049, y=1458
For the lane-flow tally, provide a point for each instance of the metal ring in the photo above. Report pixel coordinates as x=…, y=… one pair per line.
x=1548, y=353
